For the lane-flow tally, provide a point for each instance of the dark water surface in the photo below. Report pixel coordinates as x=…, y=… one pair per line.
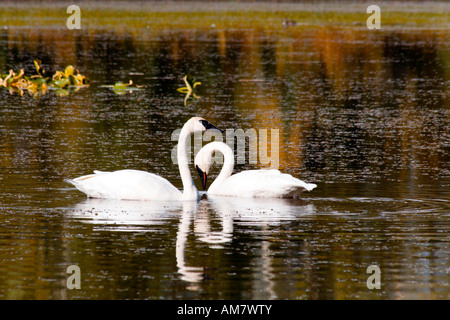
x=363, y=114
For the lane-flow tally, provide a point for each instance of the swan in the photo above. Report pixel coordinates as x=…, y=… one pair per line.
x=131, y=184
x=266, y=183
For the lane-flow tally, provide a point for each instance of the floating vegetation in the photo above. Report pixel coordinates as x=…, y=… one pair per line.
x=189, y=90
x=121, y=88
x=64, y=82
x=68, y=78
x=17, y=82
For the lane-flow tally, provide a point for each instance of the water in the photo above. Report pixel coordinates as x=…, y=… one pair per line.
x=362, y=114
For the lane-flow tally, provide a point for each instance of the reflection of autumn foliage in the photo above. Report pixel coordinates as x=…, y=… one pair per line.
x=340, y=96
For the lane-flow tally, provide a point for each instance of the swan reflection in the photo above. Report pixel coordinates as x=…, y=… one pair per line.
x=257, y=211
x=125, y=215
x=211, y=221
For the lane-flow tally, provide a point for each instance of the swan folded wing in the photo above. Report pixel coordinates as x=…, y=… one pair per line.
x=263, y=183
x=126, y=184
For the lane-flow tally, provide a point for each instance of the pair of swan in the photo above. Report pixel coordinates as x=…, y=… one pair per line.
x=140, y=185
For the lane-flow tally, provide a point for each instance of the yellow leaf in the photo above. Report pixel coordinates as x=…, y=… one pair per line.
x=69, y=71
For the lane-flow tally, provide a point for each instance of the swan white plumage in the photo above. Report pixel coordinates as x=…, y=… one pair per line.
x=267, y=183
x=140, y=185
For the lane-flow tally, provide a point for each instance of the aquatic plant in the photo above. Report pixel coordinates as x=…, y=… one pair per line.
x=17, y=82
x=121, y=88
x=39, y=84
x=68, y=78
x=189, y=90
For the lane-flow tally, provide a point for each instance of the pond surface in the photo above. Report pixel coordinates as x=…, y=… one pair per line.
x=364, y=114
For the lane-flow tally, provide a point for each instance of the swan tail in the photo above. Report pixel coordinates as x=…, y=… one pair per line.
x=75, y=183
x=70, y=181
x=298, y=190
x=78, y=183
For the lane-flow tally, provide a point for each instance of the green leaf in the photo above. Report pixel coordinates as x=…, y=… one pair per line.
x=120, y=85
x=61, y=83
x=120, y=88
x=38, y=81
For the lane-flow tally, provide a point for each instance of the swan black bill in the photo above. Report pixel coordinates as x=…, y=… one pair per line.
x=209, y=126
x=203, y=177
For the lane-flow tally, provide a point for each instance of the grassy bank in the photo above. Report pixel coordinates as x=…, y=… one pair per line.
x=111, y=14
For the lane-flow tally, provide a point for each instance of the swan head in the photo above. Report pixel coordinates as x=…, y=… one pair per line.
x=198, y=124
x=202, y=163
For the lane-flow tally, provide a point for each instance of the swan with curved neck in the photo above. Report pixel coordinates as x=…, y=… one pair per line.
x=141, y=185
x=267, y=183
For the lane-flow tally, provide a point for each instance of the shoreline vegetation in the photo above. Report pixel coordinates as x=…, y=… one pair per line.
x=222, y=14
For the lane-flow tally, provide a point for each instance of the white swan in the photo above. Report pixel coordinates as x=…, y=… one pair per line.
x=140, y=185
x=267, y=183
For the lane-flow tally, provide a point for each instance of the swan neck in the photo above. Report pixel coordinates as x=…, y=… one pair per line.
x=190, y=192
x=227, y=168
